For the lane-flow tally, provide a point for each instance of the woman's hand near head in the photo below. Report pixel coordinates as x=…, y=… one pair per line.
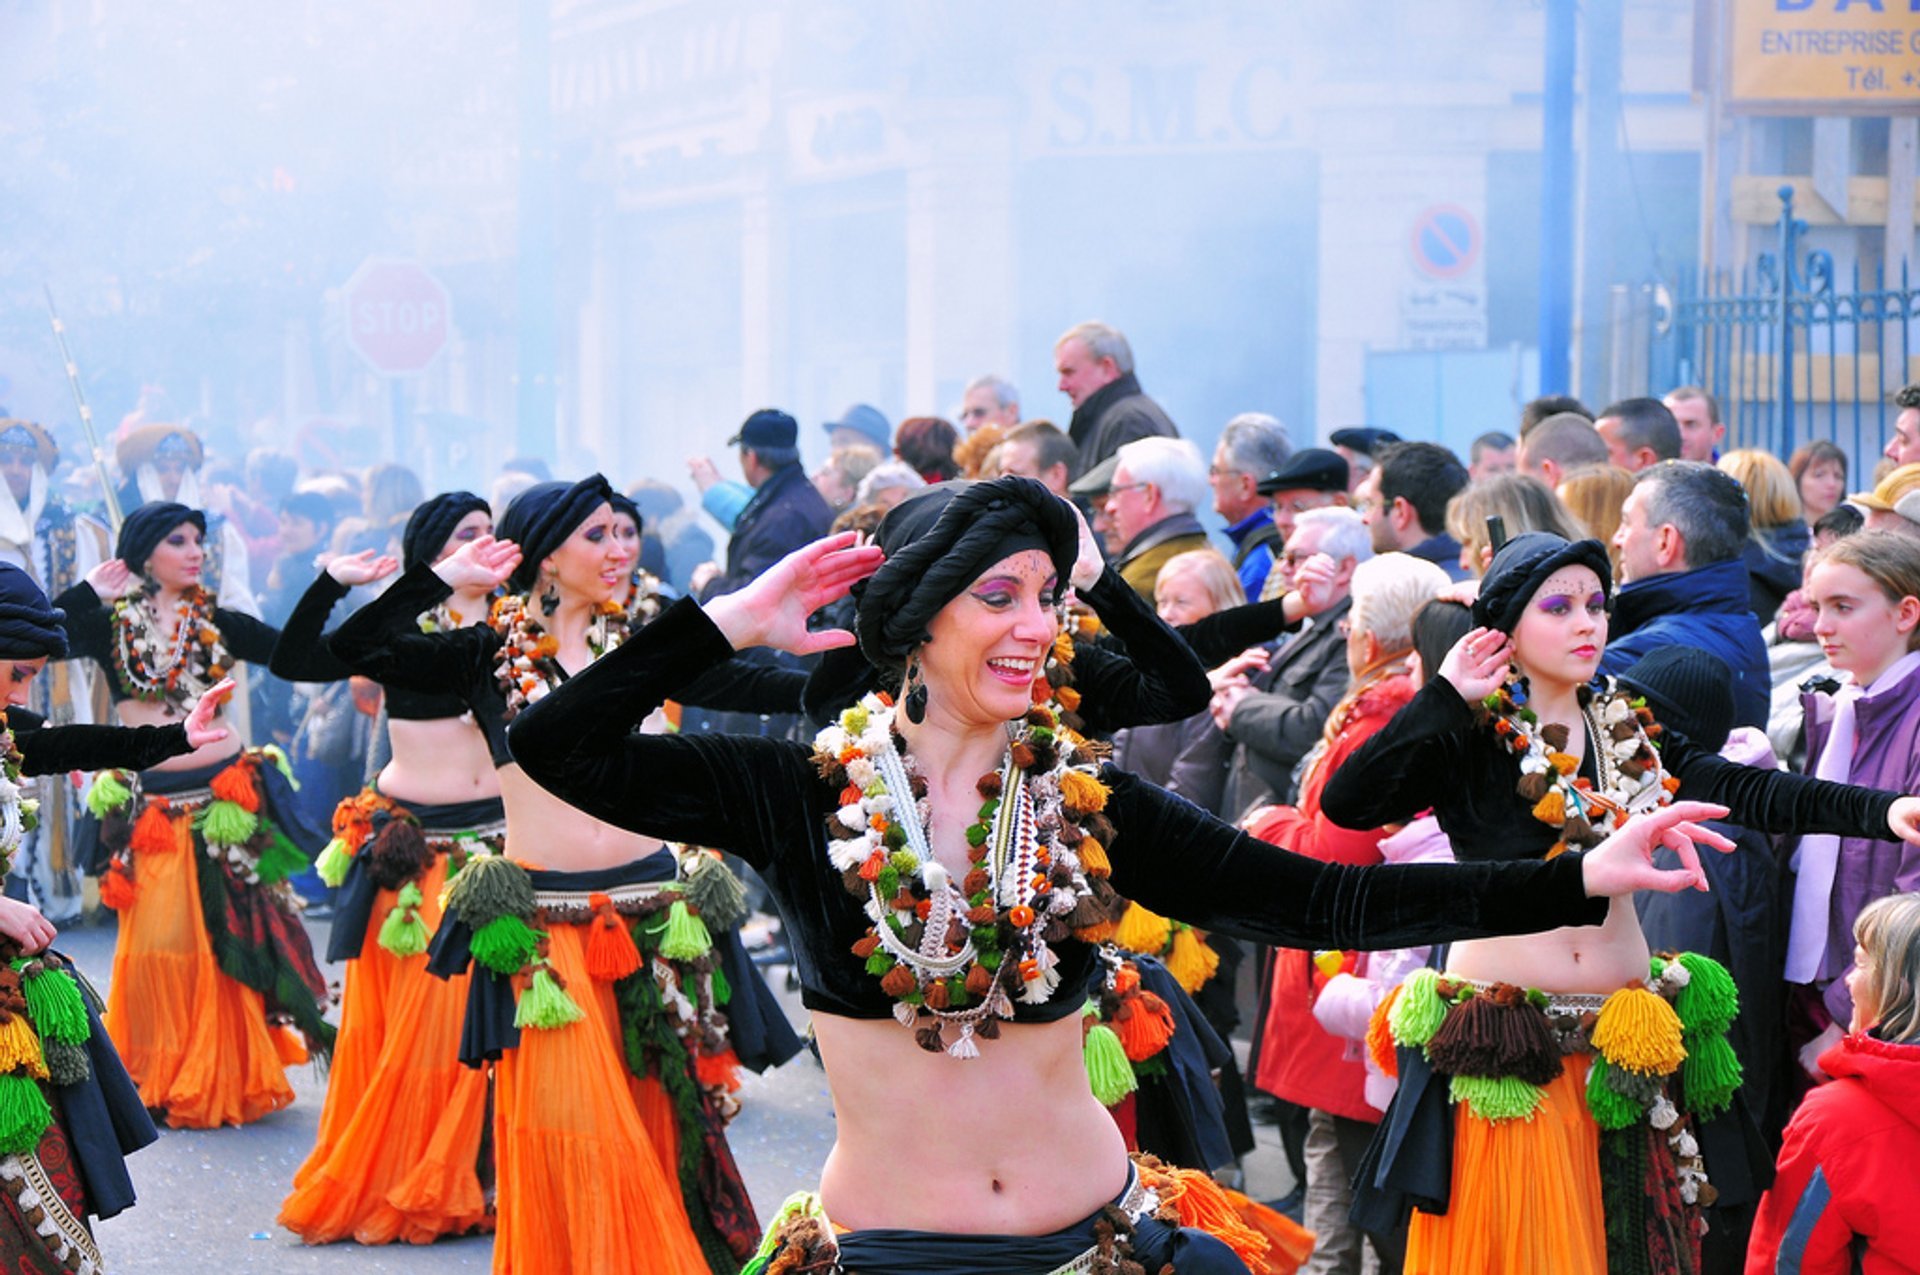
x=1477, y=664
x=110, y=580
x=355, y=569
x=479, y=566
x=23, y=923
x=773, y=609
x=1089, y=562
x=1623, y=863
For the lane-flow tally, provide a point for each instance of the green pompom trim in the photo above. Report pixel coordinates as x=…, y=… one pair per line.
x=1710, y=1075
x=1108, y=1070
x=545, y=1004
x=403, y=932
x=504, y=944
x=226, y=823
x=714, y=891
x=1498, y=1097
x=279, y=860
x=109, y=795
x=24, y=1114
x=686, y=936
x=54, y=1005
x=491, y=886
x=333, y=863
x=1611, y=1110
x=1418, y=1011
x=1710, y=1000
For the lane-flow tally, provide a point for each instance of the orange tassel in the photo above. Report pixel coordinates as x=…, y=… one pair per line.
x=611, y=954
x=1380, y=1036
x=718, y=1071
x=116, y=889
x=153, y=830
x=1126, y=979
x=1144, y=1025
x=1096, y=934
x=236, y=784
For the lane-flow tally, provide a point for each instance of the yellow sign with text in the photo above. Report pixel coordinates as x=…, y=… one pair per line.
x=1858, y=57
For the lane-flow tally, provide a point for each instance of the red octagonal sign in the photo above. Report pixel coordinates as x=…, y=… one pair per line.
x=398, y=315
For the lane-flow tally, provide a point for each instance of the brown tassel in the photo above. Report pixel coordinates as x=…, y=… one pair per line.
x=1554, y=735
x=979, y=980
x=897, y=982
x=1496, y=1033
x=400, y=854
x=1534, y=787
x=928, y=1038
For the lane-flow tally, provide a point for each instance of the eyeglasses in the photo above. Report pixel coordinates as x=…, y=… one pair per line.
x=1224, y=471
x=1116, y=490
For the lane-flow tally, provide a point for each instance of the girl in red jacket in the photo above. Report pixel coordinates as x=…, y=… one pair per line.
x=1845, y=1198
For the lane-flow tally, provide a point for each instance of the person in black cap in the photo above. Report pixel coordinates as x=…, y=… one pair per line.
x=1360, y=447
x=1312, y=478
x=785, y=512
x=563, y=1091
x=1521, y=755
x=946, y=947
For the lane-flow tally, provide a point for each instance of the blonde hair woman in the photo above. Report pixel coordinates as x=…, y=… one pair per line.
x=1780, y=536
x=1595, y=495
x=1521, y=500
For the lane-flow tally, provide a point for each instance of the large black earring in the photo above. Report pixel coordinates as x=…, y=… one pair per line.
x=550, y=597
x=916, y=700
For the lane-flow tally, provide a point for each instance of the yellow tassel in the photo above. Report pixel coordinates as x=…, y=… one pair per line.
x=1081, y=792
x=20, y=1049
x=1565, y=763
x=1551, y=808
x=1191, y=962
x=1638, y=1030
x=1093, y=858
x=1142, y=930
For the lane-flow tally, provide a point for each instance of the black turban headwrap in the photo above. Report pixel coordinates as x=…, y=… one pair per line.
x=30, y=626
x=147, y=526
x=542, y=517
x=939, y=540
x=432, y=522
x=624, y=504
x=1525, y=563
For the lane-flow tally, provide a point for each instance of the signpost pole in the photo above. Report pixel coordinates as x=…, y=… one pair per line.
x=1556, y=198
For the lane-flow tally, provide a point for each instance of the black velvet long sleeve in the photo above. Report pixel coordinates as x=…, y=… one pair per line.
x=89, y=625
x=55, y=750
x=1433, y=755
x=761, y=799
x=1219, y=637
x=382, y=641
x=1153, y=677
x=302, y=638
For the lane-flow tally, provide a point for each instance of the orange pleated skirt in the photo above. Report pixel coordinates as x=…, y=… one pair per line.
x=1526, y=1193
x=400, y=1132
x=586, y=1150
x=195, y=1041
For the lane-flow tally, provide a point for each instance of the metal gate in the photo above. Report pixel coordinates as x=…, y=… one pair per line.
x=1790, y=355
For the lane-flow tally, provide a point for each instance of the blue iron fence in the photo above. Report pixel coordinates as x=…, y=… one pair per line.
x=1790, y=353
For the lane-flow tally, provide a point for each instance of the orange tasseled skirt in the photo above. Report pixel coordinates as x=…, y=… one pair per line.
x=400, y=1134
x=195, y=1041
x=1526, y=1193
x=586, y=1150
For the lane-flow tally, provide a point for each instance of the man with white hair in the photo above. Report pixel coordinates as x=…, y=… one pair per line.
x=1252, y=446
x=989, y=400
x=1157, y=485
x=1110, y=409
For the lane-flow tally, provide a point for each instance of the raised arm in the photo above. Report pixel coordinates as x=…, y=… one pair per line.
x=89, y=623
x=1152, y=677
x=1779, y=801
x=383, y=641
x=55, y=750
x=1404, y=766
x=301, y=654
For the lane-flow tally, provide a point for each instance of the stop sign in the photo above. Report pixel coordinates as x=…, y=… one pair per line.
x=398, y=315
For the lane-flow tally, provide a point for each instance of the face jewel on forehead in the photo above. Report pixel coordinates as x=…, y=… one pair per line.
x=1568, y=584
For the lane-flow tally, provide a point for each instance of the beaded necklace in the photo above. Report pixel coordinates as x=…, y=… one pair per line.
x=19, y=813
x=176, y=670
x=962, y=954
x=528, y=663
x=1620, y=731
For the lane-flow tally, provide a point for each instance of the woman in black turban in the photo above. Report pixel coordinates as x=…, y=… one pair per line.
x=164, y=641
x=1522, y=752
x=943, y=880
x=561, y=1092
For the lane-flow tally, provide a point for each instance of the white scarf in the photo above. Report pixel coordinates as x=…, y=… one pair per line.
x=17, y=524
x=1818, y=857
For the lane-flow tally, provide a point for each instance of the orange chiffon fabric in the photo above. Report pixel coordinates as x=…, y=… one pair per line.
x=587, y=1151
x=1526, y=1193
x=400, y=1133
x=196, y=1042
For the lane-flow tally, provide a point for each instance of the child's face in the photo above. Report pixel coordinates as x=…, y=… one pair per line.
x=1865, y=1014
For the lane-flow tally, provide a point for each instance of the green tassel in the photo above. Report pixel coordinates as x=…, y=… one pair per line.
x=1710, y=1000
x=715, y=892
x=225, y=823
x=278, y=756
x=333, y=863
x=686, y=936
x=505, y=944
x=24, y=1114
x=879, y=963
x=1108, y=1070
x=403, y=932
x=109, y=794
x=1418, y=1011
x=1610, y=1110
x=799, y=1204
x=67, y=1064
x=545, y=1004
x=54, y=1005
x=1711, y=1073
x=279, y=860
x=489, y=887
x=1498, y=1097
x=722, y=990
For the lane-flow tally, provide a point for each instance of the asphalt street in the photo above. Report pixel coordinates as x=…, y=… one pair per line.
x=207, y=1198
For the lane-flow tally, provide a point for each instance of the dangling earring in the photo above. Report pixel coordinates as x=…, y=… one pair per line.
x=550, y=597
x=916, y=699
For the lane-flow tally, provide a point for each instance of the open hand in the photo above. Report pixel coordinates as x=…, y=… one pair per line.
x=1904, y=818
x=773, y=609
x=1089, y=562
x=23, y=923
x=354, y=569
x=1477, y=664
x=1623, y=863
x=1237, y=671
x=1315, y=581
x=201, y=730
x=111, y=580
x=479, y=566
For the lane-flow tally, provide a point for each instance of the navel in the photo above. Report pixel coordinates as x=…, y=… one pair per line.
x=996, y=1186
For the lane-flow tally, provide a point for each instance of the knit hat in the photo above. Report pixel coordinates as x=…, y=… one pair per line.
x=1689, y=690
x=542, y=517
x=147, y=526
x=30, y=626
x=1525, y=563
x=432, y=521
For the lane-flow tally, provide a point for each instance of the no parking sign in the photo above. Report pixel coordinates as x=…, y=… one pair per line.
x=1445, y=241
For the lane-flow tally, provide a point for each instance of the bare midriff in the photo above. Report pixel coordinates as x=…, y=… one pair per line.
x=1586, y=958
x=439, y=762
x=1009, y=1143
x=135, y=712
x=545, y=832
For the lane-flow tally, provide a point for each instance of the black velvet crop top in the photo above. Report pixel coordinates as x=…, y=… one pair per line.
x=306, y=627
x=55, y=750
x=1434, y=755
x=763, y=800
x=89, y=626
x=383, y=641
